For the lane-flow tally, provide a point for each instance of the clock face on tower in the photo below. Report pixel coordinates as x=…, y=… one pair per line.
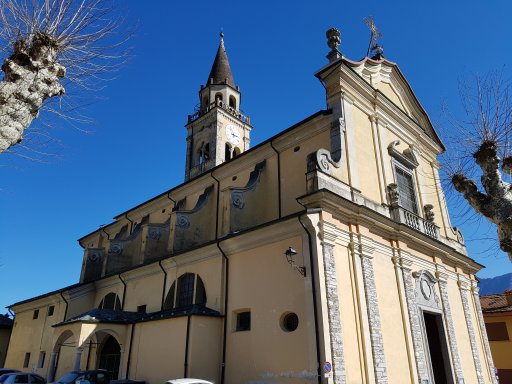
x=233, y=134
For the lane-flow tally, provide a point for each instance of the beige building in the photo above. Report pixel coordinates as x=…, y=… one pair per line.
x=497, y=310
x=324, y=254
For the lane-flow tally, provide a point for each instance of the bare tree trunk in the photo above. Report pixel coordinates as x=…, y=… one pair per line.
x=496, y=203
x=31, y=76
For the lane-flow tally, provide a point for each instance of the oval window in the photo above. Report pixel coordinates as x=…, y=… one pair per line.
x=289, y=322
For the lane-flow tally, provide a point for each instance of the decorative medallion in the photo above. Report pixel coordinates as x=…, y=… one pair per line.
x=426, y=289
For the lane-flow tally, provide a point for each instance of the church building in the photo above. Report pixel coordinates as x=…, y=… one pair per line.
x=324, y=254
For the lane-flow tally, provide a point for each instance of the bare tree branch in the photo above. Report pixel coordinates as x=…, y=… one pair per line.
x=485, y=137
x=52, y=45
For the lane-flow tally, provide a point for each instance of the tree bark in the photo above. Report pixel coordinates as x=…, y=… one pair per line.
x=32, y=75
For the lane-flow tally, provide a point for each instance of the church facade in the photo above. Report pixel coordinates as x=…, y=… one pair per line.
x=324, y=254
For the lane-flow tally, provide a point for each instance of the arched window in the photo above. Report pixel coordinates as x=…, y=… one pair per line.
x=205, y=103
x=232, y=102
x=110, y=301
x=186, y=291
x=236, y=151
x=218, y=96
x=227, y=152
x=204, y=153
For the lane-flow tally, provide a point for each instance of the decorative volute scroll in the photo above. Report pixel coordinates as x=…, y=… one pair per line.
x=183, y=217
x=425, y=290
x=124, y=252
x=95, y=258
x=245, y=203
x=321, y=160
x=157, y=238
x=238, y=195
x=407, y=158
x=194, y=227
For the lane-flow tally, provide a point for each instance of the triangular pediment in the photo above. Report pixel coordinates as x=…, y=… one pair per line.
x=386, y=77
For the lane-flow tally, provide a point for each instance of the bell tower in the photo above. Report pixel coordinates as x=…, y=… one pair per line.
x=217, y=131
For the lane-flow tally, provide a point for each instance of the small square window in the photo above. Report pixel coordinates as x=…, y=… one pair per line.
x=42, y=356
x=51, y=309
x=36, y=314
x=497, y=331
x=26, y=362
x=243, y=321
x=141, y=308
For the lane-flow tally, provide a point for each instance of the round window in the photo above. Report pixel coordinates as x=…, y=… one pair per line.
x=290, y=322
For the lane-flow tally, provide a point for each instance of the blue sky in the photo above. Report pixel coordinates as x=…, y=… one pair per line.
x=136, y=147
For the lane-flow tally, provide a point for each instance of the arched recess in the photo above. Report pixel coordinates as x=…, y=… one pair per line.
x=110, y=301
x=64, y=338
x=109, y=355
x=186, y=291
x=63, y=355
x=232, y=102
x=228, y=152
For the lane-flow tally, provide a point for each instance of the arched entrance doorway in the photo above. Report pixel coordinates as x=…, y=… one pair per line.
x=110, y=357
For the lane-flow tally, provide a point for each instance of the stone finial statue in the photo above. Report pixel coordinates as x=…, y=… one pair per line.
x=429, y=212
x=393, y=195
x=333, y=41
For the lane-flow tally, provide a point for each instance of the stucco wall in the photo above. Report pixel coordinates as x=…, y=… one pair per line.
x=261, y=281
x=158, y=350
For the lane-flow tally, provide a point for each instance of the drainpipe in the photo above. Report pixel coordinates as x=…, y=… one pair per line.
x=105, y=232
x=130, y=352
x=160, y=261
x=124, y=291
x=67, y=304
x=225, y=325
x=165, y=283
x=314, y=293
x=226, y=271
x=278, y=177
x=131, y=222
x=185, y=368
x=169, y=197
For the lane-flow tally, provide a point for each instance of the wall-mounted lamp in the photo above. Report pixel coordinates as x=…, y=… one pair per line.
x=290, y=258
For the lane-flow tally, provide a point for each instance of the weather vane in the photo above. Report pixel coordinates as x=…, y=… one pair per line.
x=375, y=34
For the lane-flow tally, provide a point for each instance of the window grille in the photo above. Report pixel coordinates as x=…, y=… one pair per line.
x=407, y=196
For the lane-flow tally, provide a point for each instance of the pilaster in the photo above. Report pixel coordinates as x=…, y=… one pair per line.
x=442, y=279
x=333, y=306
x=377, y=343
x=374, y=120
x=405, y=315
x=485, y=340
x=350, y=142
x=464, y=287
x=414, y=318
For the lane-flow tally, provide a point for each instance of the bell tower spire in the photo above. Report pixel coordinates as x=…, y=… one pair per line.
x=221, y=71
x=217, y=131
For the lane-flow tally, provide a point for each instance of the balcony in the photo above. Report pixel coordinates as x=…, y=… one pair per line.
x=220, y=104
x=403, y=216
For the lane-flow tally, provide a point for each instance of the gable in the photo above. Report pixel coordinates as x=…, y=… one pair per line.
x=387, y=78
